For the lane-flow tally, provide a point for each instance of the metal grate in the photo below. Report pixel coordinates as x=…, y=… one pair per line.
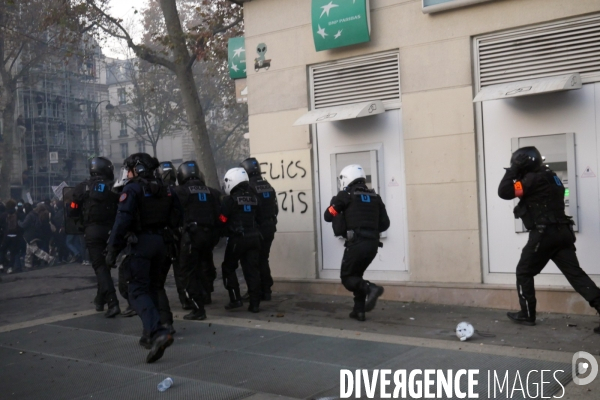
x=552, y=49
x=356, y=80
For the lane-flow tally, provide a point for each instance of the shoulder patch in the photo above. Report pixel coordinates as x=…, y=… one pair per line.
x=123, y=197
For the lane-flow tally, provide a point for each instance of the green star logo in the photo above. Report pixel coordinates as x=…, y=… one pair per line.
x=339, y=23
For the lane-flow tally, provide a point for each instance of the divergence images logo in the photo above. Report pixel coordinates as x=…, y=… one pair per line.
x=583, y=367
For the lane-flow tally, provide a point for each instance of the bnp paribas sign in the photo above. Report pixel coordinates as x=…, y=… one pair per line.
x=339, y=23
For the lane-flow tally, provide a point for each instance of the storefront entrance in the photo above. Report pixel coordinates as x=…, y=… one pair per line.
x=376, y=144
x=565, y=126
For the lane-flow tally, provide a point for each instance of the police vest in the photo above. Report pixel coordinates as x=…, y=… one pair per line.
x=155, y=205
x=243, y=216
x=100, y=203
x=547, y=206
x=198, y=203
x=363, y=210
x=267, y=199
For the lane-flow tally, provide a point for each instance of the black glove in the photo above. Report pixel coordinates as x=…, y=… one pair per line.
x=111, y=256
x=519, y=163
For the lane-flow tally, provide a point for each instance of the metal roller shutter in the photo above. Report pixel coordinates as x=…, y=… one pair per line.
x=551, y=49
x=356, y=80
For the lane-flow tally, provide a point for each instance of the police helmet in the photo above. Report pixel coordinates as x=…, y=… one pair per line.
x=166, y=171
x=143, y=164
x=102, y=167
x=251, y=166
x=189, y=170
x=350, y=174
x=234, y=177
x=527, y=159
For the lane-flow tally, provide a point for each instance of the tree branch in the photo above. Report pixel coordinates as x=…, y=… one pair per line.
x=142, y=52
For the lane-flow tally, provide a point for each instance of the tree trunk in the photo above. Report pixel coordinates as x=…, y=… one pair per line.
x=8, y=120
x=189, y=93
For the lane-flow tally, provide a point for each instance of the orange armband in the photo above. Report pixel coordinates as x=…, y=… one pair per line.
x=518, y=189
x=332, y=211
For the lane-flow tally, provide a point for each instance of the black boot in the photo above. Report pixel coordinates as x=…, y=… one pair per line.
x=265, y=296
x=253, y=308
x=373, y=294
x=521, y=318
x=145, y=341
x=246, y=296
x=129, y=312
x=235, y=300
x=207, y=298
x=196, y=315
x=112, y=311
x=170, y=328
x=597, y=330
x=159, y=346
x=359, y=316
x=187, y=305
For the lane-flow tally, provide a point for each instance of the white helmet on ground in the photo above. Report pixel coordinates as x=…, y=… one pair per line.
x=234, y=177
x=350, y=173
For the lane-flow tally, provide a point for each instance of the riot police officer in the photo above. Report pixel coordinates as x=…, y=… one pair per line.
x=122, y=258
x=359, y=215
x=145, y=210
x=542, y=209
x=96, y=206
x=239, y=214
x=201, y=205
x=269, y=209
x=166, y=171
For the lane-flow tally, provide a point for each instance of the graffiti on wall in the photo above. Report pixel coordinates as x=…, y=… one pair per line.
x=290, y=175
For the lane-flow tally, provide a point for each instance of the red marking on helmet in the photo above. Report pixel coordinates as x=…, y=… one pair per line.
x=222, y=218
x=123, y=197
x=332, y=211
x=74, y=205
x=518, y=189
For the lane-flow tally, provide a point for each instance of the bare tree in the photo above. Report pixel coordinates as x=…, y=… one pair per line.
x=177, y=50
x=154, y=108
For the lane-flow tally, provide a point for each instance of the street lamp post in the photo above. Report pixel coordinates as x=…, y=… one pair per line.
x=108, y=107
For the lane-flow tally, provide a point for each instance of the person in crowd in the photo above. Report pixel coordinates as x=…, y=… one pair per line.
x=59, y=237
x=95, y=204
x=11, y=237
x=269, y=209
x=239, y=214
x=166, y=172
x=541, y=207
x=145, y=210
x=32, y=226
x=201, y=206
x=358, y=214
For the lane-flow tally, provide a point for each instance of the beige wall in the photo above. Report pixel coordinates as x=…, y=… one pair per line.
x=437, y=112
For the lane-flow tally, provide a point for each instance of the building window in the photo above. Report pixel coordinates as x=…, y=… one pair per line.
x=123, y=130
x=124, y=150
x=122, y=96
x=139, y=120
x=141, y=146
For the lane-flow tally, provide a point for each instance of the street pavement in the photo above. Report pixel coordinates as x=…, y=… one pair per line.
x=53, y=345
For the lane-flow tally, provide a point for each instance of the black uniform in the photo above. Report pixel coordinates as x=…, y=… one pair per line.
x=145, y=210
x=359, y=215
x=96, y=205
x=551, y=236
x=201, y=206
x=269, y=209
x=239, y=213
